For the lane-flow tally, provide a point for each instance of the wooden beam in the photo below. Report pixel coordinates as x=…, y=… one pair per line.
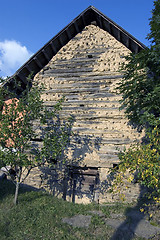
x=22, y=77
x=38, y=62
x=68, y=34
x=119, y=36
x=46, y=55
x=107, y=27
x=53, y=47
x=136, y=48
x=127, y=42
x=61, y=41
x=76, y=27
x=100, y=22
x=28, y=68
x=83, y=20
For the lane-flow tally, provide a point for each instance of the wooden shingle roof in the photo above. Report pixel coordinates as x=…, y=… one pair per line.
x=89, y=16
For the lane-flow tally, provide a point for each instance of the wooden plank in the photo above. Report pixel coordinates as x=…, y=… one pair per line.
x=83, y=20
x=100, y=21
x=119, y=36
x=127, y=42
x=38, y=62
x=46, y=55
x=61, y=41
x=88, y=172
x=28, y=68
x=53, y=47
x=22, y=77
x=68, y=34
x=76, y=27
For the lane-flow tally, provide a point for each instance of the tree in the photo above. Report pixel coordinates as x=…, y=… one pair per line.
x=140, y=91
x=16, y=131
x=141, y=83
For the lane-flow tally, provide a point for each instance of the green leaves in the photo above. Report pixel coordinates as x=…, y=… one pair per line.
x=140, y=91
x=155, y=23
x=143, y=164
x=56, y=139
x=17, y=117
x=140, y=87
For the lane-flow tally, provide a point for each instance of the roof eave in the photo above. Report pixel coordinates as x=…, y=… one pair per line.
x=91, y=15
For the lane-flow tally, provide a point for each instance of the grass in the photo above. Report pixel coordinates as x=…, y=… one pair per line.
x=39, y=216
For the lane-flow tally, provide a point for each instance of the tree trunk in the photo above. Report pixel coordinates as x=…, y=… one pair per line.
x=16, y=193
x=17, y=186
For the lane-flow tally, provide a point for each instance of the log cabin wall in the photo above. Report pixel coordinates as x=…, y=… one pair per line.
x=86, y=71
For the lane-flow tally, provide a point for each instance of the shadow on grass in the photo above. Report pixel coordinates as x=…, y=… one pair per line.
x=7, y=188
x=133, y=216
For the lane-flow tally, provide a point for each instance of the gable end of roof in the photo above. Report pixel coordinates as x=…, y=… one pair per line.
x=91, y=15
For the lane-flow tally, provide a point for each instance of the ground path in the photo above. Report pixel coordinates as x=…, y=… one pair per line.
x=126, y=227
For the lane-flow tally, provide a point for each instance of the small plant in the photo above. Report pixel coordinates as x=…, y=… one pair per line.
x=141, y=162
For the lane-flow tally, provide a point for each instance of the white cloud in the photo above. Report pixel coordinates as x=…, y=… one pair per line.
x=12, y=56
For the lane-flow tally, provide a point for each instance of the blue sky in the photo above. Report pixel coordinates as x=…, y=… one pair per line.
x=25, y=26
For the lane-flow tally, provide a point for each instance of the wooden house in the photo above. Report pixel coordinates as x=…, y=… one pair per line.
x=82, y=63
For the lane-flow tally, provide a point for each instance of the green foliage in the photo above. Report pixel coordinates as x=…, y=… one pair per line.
x=141, y=84
x=56, y=138
x=143, y=163
x=140, y=91
x=154, y=35
x=17, y=131
x=16, y=125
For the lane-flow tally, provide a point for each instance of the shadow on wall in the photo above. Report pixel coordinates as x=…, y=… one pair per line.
x=89, y=72
x=88, y=69
x=65, y=175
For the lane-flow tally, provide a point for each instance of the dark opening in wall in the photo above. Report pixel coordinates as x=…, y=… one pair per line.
x=115, y=166
x=53, y=160
x=84, y=181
